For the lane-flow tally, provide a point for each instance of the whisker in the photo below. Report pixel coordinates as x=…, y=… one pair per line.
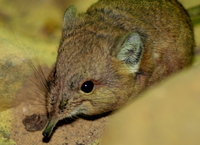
x=43, y=79
x=40, y=76
x=39, y=73
x=36, y=84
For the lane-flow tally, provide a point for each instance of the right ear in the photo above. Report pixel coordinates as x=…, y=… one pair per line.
x=69, y=17
x=129, y=50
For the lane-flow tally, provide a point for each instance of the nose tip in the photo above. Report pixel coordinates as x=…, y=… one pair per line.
x=49, y=128
x=45, y=134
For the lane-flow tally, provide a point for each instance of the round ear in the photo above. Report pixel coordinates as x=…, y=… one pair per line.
x=130, y=50
x=69, y=17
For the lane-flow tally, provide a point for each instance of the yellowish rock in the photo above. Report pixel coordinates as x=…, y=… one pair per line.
x=5, y=124
x=168, y=114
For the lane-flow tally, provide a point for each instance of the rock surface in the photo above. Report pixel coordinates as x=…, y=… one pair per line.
x=168, y=114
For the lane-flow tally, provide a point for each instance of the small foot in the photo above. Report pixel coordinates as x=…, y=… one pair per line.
x=35, y=122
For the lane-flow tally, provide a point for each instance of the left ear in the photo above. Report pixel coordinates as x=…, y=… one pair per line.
x=69, y=17
x=130, y=50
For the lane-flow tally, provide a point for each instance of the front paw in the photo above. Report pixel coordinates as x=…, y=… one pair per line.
x=35, y=122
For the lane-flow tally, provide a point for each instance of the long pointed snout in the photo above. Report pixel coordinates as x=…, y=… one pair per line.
x=49, y=127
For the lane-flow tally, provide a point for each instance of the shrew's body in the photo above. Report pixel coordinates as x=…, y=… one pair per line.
x=113, y=52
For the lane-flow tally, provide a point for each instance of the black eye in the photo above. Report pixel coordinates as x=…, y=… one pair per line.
x=87, y=87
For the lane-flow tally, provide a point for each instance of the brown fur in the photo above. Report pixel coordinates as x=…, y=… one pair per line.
x=87, y=52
